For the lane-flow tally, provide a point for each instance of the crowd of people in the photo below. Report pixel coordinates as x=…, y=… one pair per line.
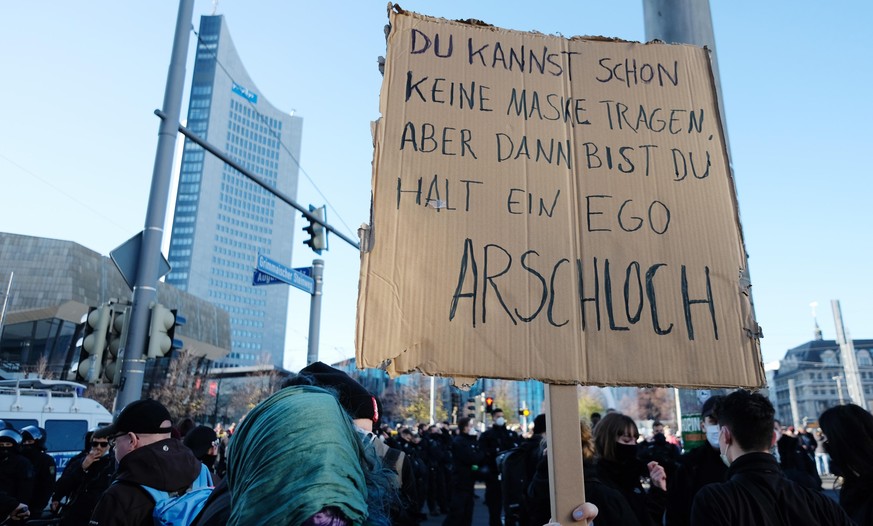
x=317, y=454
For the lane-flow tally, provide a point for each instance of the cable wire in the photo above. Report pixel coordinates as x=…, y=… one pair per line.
x=273, y=132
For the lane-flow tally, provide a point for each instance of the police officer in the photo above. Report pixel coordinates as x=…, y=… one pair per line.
x=16, y=472
x=493, y=441
x=33, y=449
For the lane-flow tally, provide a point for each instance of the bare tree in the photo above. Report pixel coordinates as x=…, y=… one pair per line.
x=417, y=403
x=590, y=401
x=181, y=391
x=104, y=394
x=42, y=369
x=252, y=390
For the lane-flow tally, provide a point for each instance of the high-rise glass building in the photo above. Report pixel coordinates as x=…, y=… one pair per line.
x=222, y=219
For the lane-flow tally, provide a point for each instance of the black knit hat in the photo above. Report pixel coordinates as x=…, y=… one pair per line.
x=539, y=426
x=354, y=398
x=199, y=440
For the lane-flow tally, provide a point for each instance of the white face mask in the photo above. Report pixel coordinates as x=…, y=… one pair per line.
x=500, y=421
x=725, y=460
x=712, y=435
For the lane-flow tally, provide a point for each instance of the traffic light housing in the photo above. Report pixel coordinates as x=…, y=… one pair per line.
x=489, y=404
x=317, y=233
x=471, y=408
x=524, y=412
x=93, y=344
x=117, y=340
x=162, y=328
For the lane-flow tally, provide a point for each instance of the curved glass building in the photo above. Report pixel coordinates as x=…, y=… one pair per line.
x=222, y=219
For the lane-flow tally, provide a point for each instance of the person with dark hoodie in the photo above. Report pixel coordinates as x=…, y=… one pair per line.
x=613, y=509
x=848, y=435
x=203, y=442
x=85, y=478
x=618, y=466
x=16, y=472
x=698, y=467
x=146, y=455
x=33, y=449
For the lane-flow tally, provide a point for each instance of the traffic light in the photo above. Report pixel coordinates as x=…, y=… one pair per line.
x=524, y=412
x=94, y=344
x=471, y=408
x=162, y=328
x=317, y=233
x=117, y=339
x=489, y=404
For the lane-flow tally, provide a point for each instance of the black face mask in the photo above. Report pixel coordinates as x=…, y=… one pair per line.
x=625, y=452
x=835, y=464
x=5, y=453
x=209, y=460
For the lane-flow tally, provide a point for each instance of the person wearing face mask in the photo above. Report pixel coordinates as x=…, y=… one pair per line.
x=467, y=457
x=796, y=463
x=16, y=472
x=33, y=449
x=493, y=441
x=847, y=431
x=203, y=442
x=618, y=466
x=756, y=491
x=696, y=468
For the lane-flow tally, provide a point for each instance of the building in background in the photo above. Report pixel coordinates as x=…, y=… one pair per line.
x=813, y=374
x=54, y=283
x=223, y=220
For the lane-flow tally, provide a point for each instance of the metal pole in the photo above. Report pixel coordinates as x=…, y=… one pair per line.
x=432, y=399
x=850, y=362
x=315, y=311
x=685, y=22
x=839, y=379
x=146, y=283
x=6, y=302
x=792, y=398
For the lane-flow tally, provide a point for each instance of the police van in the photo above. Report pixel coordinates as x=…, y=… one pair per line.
x=56, y=406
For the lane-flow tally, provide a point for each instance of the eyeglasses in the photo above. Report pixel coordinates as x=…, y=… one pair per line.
x=114, y=439
x=99, y=444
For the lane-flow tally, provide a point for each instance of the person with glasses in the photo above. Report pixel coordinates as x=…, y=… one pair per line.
x=85, y=478
x=147, y=455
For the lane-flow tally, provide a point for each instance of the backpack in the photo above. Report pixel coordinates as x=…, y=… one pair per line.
x=512, y=466
x=181, y=510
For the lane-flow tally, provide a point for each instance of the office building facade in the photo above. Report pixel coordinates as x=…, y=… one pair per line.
x=223, y=220
x=812, y=378
x=52, y=284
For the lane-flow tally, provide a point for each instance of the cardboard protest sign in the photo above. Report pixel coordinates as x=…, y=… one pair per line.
x=551, y=208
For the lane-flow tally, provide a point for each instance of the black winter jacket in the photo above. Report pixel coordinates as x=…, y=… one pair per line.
x=166, y=465
x=758, y=493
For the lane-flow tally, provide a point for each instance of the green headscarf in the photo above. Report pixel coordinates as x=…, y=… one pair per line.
x=294, y=454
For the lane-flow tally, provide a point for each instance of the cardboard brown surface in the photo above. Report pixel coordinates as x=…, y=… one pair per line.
x=566, y=480
x=551, y=208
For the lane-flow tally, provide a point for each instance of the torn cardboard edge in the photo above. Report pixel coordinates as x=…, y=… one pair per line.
x=748, y=327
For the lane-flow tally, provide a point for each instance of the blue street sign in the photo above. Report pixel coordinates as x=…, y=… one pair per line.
x=259, y=278
x=304, y=270
x=285, y=274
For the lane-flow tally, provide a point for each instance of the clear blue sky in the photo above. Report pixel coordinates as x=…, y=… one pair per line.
x=78, y=137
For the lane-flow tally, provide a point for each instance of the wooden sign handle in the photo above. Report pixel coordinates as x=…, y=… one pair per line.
x=566, y=483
